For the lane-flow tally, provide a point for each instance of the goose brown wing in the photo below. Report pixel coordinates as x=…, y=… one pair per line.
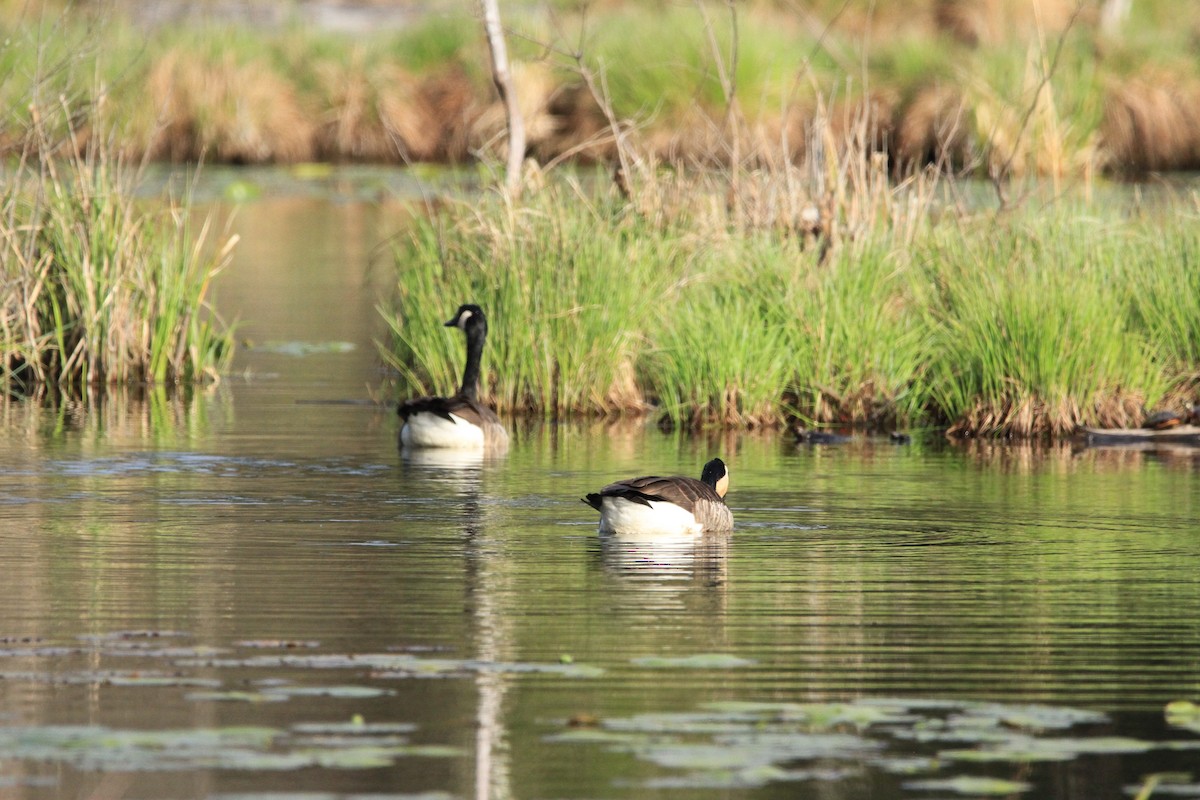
x=683, y=492
x=461, y=407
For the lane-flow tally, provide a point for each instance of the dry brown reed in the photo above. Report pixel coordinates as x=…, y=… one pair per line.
x=1036, y=418
x=934, y=128
x=535, y=86
x=1152, y=123
x=820, y=176
x=991, y=22
x=236, y=113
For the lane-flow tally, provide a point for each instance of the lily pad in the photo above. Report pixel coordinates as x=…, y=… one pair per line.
x=733, y=743
x=395, y=665
x=1028, y=749
x=905, y=765
x=133, y=678
x=751, y=750
x=303, y=349
x=345, y=692
x=1183, y=714
x=698, y=661
x=237, y=696
x=597, y=736
x=357, y=728
x=750, y=778
x=965, y=784
x=95, y=748
x=1165, y=784
x=1025, y=717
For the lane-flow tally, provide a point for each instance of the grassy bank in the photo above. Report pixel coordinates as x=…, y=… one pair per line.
x=1022, y=324
x=992, y=87
x=96, y=289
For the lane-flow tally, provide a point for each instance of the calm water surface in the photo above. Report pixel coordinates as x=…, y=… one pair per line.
x=252, y=593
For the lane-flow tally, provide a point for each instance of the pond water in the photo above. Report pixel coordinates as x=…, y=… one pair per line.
x=250, y=592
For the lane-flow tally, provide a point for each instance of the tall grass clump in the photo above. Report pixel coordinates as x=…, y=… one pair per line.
x=857, y=337
x=569, y=286
x=722, y=354
x=1163, y=290
x=707, y=313
x=772, y=333
x=97, y=289
x=1029, y=332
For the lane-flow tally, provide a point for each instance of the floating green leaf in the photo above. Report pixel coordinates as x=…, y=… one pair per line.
x=970, y=785
x=698, y=661
x=395, y=665
x=1183, y=714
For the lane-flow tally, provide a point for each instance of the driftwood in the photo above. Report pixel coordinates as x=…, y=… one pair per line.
x=1181, y=434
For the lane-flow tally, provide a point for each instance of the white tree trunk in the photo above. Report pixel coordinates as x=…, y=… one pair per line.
x=502, y=76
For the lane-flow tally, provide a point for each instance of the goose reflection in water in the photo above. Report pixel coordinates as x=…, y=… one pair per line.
x=668, y=571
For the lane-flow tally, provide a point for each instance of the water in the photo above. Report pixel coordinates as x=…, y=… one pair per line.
x=252, y=593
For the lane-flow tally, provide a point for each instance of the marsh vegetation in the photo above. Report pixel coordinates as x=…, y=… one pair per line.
x=990, y=87
x=1027, y=323
x=97, y=289
x=776, y=230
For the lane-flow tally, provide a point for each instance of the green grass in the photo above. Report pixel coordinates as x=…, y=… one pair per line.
x=1031, y=332
x=1163, y=297
x=565, y=308
x=97, y=290
x=1028, y=324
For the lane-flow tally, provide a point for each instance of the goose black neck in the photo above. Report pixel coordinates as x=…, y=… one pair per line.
x=470, y=379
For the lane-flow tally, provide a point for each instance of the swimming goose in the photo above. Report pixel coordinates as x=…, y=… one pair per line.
x=667, y=506
x=460, y=421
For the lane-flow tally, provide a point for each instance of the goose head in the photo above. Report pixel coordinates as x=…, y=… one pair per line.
x=716, y=475
x=469, y=317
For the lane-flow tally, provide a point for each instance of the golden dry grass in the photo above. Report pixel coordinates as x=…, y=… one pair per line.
x=238, y=113
x=935, y=128
x=1152, y=123
x=989, y=108
x=992, y=22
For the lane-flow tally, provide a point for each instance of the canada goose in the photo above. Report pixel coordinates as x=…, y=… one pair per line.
x=667, y=506
x=460, y=421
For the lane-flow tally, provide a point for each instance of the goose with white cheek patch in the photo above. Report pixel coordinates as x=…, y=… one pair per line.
x=461, y=421
x=666, y=506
